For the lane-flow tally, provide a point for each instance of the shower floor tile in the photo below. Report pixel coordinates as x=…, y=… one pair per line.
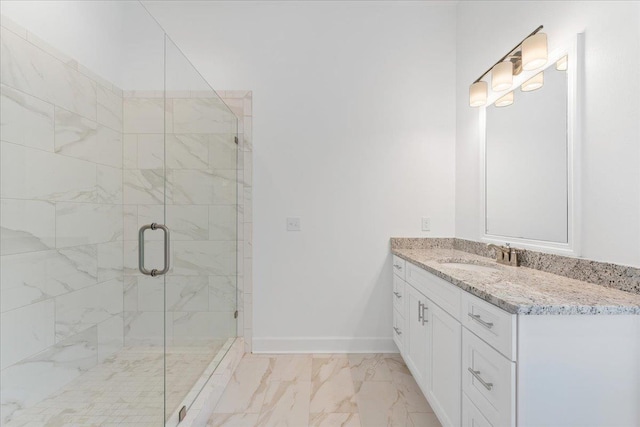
x=127, y=388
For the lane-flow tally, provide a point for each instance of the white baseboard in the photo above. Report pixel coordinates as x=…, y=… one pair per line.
x=323, y=345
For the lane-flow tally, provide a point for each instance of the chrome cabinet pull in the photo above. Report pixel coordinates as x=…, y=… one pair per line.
x=397, y=295
x=477, y=318
x=424, y=317
x=420, y=311
x=398, y=331
x=476, y=375
x=154, y=272
x=397, y=267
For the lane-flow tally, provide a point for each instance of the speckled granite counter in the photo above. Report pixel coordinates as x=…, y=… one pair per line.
x=521, y=290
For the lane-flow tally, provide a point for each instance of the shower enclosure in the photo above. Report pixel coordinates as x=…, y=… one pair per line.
x=119, y=203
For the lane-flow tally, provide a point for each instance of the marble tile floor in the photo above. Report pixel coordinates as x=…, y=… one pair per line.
x=126, y=389
x=319, y=390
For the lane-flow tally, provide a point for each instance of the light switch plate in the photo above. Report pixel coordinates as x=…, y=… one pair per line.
x=426, y=224
x=293, y=224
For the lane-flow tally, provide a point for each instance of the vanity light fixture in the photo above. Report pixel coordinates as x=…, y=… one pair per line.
x=532, y=50
x=478, y=94
x=562, y=64
x=502, y=76
x=533, y=83
x=505, y=101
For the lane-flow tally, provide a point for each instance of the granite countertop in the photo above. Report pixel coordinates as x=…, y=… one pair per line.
x=522, y=290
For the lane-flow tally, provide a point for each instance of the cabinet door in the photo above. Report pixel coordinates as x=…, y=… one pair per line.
x=445, y=346
x=416, y=341
x=471, y=416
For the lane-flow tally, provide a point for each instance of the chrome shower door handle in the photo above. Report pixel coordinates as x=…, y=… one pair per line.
x=165, y=229
x=154, y=272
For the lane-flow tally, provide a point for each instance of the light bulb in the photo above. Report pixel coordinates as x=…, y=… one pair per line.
x=562, y=64
x=505, y=100
x=533, y=83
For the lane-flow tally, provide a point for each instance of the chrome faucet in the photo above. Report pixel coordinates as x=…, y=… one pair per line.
x=506, y=254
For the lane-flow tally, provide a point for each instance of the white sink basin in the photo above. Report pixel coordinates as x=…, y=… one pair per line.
x=470, y=267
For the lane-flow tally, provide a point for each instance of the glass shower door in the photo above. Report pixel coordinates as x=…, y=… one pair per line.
x=99, y=140
x=81, y=331
x=200, y=153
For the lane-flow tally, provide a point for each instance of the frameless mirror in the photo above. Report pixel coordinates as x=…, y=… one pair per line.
x=526, y=157
x=530, y=160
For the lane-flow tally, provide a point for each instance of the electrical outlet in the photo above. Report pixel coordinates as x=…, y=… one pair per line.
x=426, y=224
x=293, y=224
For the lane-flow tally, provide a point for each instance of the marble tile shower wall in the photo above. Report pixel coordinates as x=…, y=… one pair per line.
x=61, y=218
x=201, y=203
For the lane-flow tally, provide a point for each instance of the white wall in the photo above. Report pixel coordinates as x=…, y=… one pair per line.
x=611, y=107
x=354, y=124
x=117, y=40
x=90, y=32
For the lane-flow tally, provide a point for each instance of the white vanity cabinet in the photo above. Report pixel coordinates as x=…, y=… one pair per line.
x=480, y=366
x=436, y=317
x=432, y=344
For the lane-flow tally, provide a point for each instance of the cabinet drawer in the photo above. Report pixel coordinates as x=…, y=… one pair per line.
x=488, y=380
x=495, y=326
x=399, y=267
x=443, y=293
x=398, y=293
x=471, y=416
x=398, y=330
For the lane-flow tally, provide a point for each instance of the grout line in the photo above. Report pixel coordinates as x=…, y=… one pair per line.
x=56, y=153
x=53, y=104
